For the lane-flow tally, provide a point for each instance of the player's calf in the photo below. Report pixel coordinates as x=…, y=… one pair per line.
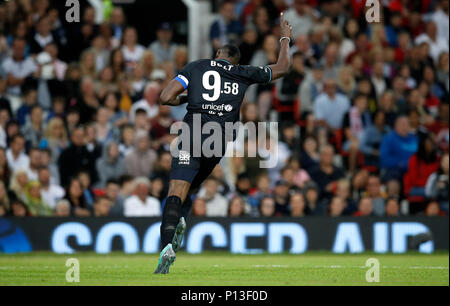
x=170, y=219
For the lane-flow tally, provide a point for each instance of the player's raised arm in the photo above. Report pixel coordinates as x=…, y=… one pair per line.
x=284, y=58
x=171, y=95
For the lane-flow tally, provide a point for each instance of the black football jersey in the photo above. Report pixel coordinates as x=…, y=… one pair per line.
x=216, y=88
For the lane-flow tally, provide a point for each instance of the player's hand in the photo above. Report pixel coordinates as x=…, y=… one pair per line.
x=285, y=27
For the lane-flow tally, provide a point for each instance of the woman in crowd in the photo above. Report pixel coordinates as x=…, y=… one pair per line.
x=19, y=183
x=35, y=203
x=55, y=138
x=74, y=194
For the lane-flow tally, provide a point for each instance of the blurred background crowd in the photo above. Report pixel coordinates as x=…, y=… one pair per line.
x=363, y=113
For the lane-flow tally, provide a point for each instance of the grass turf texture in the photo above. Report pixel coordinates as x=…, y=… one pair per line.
x=222, y=269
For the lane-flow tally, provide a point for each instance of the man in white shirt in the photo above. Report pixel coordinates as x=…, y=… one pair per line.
x=50, y=193
x=17, y=68
x=437, y=44
x=301, y=17
x=440, y=17
x=149, y=103
x=216, y=204
x=15, y=155
x=331, y=107
x=35, y=162
x=141, y=204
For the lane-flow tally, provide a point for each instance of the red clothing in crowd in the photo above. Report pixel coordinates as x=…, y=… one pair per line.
x=418, y=173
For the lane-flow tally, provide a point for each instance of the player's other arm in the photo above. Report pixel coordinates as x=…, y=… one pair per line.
x=172, y=94
x=284, y=59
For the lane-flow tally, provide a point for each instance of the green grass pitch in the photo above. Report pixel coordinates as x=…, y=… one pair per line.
x=223, y=269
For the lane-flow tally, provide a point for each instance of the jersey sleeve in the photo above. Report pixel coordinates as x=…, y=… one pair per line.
x=257, y=75
x=184, y=76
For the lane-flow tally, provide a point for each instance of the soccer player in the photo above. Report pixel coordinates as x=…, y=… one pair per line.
x=216, y=89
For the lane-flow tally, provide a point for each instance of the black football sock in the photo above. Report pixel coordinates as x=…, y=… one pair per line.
x=187, y=205
x=170, y=219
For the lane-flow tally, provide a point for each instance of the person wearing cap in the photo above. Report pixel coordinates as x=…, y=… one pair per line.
x=163, y=48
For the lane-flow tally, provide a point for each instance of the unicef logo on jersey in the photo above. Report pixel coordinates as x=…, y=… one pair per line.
x=213, y=108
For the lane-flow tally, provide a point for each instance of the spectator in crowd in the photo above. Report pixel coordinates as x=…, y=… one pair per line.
x=163, y=48
x=35, y=203
x=51, y=193
x=112, y=192
x=74, y=194
x=149, y=103
x=437, y=185
x=19, y=183
x=132, y=50
x=33, y=130
x=326, y=174
x=396, y=149
x=392, y=207
x=62, y=208
x=281, y=197
x=331, y=107
x=310, y=88
x=236, y=207
x=313, y=206
x=19, y=209
x=140, y=204
x=140, y=161
x=17, y=159
x=437, y=44
x=102, y=207
x=226, y=29
x=75, y=157
x=86, y=183
x=372, y=137
x=433, y=210
x=43, y=36
x=355, y=123
x=297, y=205
x=343, y=191
x=55, y=138
x=111, y=165
x=46, y=161
x=267, y=207
x=199, y=207
x=18, y=67
x=375, y=193
x=420, y=166
x=302, y=17
x=34, y=164
x=336, y=208
x=216, y=204
x=365, y=208
x=309, y=155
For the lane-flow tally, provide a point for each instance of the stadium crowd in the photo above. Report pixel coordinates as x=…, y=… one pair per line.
x=363, y=112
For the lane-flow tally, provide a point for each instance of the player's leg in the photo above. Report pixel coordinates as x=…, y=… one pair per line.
x=172, y=213
x=172, y=223
x=205, y=170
